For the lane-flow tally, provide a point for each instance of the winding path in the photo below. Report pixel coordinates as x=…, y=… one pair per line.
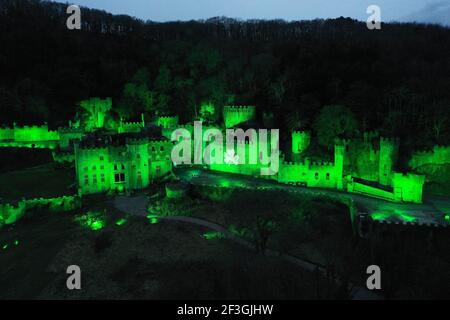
x=430, y=213
x=137, y=206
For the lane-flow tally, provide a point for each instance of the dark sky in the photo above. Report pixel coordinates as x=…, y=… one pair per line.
x=435, y=11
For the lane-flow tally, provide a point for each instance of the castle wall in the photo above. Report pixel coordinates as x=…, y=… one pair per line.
x=93, y=169
x=6, y=134
x=408, y=187
x=439, y=156
x=68, y=135
x=138, y=172
x=130, y=127
x=388, y=157
x=28, y=134
x=11, y=213
x=124, y=168
x=167, y=122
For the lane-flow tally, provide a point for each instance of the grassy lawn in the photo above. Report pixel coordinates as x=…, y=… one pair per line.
x=43, y=181
x=24, y=267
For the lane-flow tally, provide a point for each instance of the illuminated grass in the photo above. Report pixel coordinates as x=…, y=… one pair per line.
x=396, y=214
x=153, y=219
x=121, y=222
x=92, y=220
x=211, y=235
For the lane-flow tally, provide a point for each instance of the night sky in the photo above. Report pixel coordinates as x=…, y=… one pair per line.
x=434, y=11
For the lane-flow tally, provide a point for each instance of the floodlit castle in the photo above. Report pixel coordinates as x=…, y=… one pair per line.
x=121, y=163
x=130, y=157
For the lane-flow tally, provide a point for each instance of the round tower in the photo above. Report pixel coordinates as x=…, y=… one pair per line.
x=300, y=141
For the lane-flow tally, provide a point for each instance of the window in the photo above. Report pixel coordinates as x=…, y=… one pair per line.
x=102, y=177
x=123, y=167
x=102, y=167
x=115, y=167
x=102, y=158
x=161, y=148
x=86, y=180
x=94, y=168
x=328, y=176
x=317, y=176
x=119, y=177
x=153, y=149
x=94, y=179
x=138, y=156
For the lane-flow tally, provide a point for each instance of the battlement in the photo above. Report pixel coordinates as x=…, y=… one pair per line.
x=389, y=141
x=409, y=178
x=323, y=164
x=370, y=135
x=70, y=130
x=239, y=108
x=308, y=163
x=35, y=133
x=300, y=133
x=130, y=127
x=136, y=123
x=167, y=121
x=137, y=141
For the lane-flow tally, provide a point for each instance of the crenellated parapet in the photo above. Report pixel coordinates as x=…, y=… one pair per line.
x=167, y=122
x=408, y=187
x=300, y=141
x=36, y=133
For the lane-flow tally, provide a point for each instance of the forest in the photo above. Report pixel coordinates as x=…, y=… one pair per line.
x=311, y=75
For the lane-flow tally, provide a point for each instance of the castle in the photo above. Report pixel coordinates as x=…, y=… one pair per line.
x=130, y=158
x=121, y=163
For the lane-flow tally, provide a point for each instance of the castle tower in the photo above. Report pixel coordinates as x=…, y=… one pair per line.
x=93, y=169
x=300, y=142
x=339, y=151
x=388, y=157
x=138, y=171
x=234, y=115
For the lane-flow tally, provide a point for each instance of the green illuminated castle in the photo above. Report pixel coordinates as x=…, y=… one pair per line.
x=125, y=156
x=121, y=163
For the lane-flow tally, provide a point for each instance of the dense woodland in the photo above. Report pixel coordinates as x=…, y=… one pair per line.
x=395, y=80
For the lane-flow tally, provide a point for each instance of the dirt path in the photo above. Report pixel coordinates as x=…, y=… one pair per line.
x=137, y=206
